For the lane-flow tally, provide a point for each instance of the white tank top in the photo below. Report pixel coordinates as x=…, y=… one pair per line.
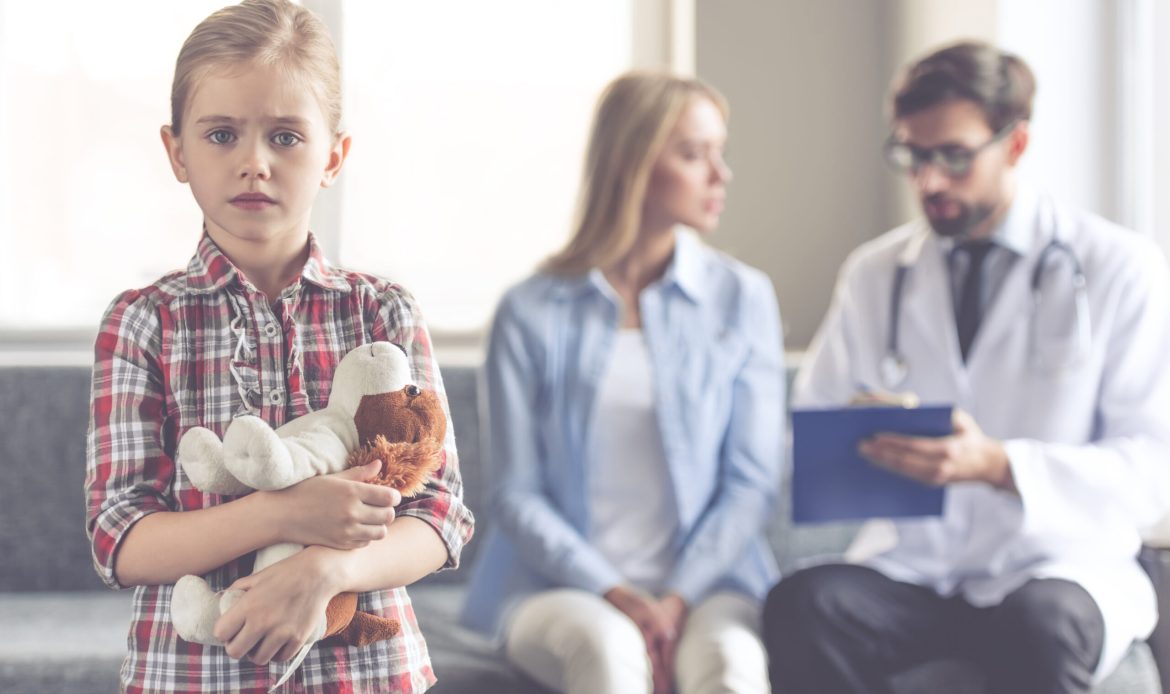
x=632, y=504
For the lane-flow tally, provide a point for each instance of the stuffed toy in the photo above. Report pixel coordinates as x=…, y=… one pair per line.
x=374, y=413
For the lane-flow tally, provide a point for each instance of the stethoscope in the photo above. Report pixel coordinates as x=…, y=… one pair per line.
x=1044, y=353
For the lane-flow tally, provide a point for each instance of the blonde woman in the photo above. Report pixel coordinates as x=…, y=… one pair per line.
x=635, y=387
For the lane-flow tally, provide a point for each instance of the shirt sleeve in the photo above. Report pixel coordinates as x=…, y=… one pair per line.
x=541, y=534
x=1125, y=472
x=440, y=504
x=751, y=455
x=128, y=474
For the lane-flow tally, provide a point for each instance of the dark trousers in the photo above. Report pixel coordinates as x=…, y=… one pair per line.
x=843, y=628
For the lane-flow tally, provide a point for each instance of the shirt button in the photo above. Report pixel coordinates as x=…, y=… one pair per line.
x=276, y=397
x=270, y=329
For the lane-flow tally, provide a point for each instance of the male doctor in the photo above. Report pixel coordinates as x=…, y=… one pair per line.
x=1049, y=330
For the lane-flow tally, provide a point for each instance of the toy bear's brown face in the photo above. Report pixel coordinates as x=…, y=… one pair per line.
x=409, y=415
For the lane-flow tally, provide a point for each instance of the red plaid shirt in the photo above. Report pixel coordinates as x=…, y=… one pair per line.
x=198, y=348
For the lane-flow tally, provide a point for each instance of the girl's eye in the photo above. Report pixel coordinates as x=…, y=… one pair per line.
x=221, y=137
x=285, y=139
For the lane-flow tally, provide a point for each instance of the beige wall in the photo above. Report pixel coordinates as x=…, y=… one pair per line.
x=806, y=82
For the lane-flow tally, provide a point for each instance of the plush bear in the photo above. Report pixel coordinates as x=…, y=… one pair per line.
x=374, y=413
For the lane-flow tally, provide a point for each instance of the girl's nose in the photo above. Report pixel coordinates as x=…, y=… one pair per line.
x=254, y=164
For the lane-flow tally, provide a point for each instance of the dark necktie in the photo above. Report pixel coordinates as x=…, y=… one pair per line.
x=970, y=310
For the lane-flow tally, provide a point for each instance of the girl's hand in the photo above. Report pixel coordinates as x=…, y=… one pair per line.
x=279, y=609
x=339, y=510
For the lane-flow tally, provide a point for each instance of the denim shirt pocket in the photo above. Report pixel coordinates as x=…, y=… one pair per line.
x=708, y=371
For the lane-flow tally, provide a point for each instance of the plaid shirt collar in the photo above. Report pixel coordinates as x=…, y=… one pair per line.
x=210, y=270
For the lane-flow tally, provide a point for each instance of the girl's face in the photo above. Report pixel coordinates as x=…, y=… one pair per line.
x=688, y=183
x=255, y=148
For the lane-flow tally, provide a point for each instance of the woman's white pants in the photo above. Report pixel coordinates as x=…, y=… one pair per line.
x=578, y=643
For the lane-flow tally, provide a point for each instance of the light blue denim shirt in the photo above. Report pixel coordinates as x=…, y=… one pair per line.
x=712, y=327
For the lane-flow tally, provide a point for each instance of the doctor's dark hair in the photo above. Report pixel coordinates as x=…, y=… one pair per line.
x=999, y=83
x=260, y=33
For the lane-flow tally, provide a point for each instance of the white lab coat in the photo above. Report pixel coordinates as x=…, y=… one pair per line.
x=1089, y=445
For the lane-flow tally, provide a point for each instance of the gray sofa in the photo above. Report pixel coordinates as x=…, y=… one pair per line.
x=62, y=631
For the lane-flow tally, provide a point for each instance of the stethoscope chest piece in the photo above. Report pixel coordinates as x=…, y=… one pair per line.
x=893, y=371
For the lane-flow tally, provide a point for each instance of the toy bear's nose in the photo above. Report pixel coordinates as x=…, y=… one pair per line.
x=413, y=391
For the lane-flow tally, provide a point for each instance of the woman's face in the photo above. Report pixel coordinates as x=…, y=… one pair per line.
x=689, y=180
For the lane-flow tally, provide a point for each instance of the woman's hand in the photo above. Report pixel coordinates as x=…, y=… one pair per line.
x=278, y=610
x=339, y=510
x=674, y=608
x=658, y=631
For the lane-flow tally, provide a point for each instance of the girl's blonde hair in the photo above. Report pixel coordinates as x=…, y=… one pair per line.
x=260, y=32
x=634, y=116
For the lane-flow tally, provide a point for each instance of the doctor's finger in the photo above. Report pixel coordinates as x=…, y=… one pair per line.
x=933, y=449
x=925, y=469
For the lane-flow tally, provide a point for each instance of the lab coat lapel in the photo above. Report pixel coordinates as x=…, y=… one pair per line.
x=929, y=315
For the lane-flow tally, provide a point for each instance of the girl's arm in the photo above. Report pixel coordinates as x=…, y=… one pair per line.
x=283, y=603
x=338, y=510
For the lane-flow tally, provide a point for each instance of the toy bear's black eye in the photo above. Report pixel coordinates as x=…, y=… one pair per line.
x=413, y=391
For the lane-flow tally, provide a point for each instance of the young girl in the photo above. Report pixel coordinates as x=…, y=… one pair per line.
x=256, y=324
x=636, y=399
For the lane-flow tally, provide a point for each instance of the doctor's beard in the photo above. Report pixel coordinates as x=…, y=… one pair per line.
x=970, y=215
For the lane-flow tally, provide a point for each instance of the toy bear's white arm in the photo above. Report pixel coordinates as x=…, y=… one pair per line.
x=315, y=444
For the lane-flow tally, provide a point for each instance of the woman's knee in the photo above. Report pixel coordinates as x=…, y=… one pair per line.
x=579, y=633
x=720, y=650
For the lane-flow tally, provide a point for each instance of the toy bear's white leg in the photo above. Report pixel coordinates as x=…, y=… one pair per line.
x=200, y=454
x=267, y=556
x=194, y=609
x=256, y=456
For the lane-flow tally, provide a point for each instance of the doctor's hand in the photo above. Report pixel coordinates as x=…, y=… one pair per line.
x=658, y=627
x=967, y=455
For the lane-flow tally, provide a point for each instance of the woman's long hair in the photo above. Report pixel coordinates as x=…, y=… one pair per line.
x=635, y=115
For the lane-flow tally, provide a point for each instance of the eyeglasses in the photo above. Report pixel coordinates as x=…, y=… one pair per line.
x=953, y=160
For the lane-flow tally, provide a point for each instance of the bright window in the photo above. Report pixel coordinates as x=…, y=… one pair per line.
x=469, y=121
x=469, y=130
x=88, y=204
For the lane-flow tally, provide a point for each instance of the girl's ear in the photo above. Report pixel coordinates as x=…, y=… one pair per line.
x=337, y=157
x=174, y=149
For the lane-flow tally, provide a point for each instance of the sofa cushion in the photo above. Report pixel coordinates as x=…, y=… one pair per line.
x=42, y=456
x=67, y=643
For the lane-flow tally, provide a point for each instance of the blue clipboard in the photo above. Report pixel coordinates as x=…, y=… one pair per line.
x=832, y=482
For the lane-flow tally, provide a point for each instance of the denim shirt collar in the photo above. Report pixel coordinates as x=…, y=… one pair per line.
x=685, y=272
